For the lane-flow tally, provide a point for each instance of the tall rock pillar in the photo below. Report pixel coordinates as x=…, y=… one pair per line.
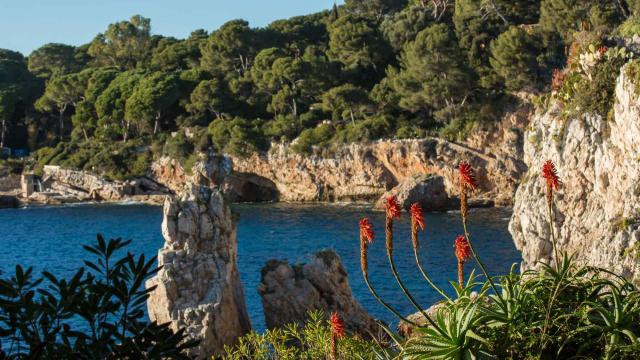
x=198, y=287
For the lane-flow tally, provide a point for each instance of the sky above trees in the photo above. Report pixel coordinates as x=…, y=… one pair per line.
x=28, y=24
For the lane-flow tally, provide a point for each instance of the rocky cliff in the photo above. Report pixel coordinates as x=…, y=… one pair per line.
x=198, y=287
x=596, y=210
x=364, y=172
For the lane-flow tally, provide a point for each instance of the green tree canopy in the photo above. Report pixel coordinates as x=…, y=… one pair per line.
x=171, y=54
x=569, y=16
x=230, y=49
x=514, y=58
x=356, y=42
x=124, y=44
x=152, y=96
x=375, y=8
x=433, y=74
x=53, y=59
x=403, y=26
x=346, y=102
x=210, y=96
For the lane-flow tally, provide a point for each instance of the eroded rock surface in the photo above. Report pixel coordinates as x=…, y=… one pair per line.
x=427, y=190
x=199, y=287
x=596, y=209
x=290, y=292
x=364, y=172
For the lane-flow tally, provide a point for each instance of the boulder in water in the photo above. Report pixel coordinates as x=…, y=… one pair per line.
x=290, y=292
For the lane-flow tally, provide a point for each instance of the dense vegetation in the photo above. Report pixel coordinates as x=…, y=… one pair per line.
x=358, y=72
x=98, y=313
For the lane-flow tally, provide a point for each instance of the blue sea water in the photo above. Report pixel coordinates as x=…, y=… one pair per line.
x=51, y=238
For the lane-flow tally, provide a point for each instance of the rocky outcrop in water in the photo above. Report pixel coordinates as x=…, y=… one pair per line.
x=290, y=292
x=596, y=210
x=198, y=287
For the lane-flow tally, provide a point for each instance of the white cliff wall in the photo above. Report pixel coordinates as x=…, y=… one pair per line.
x=596, y=210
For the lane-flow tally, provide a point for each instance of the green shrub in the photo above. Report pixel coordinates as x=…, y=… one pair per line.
x=299, y=341
x=238, y=136
x=319, y=136
x=630, y=27
x=45, y=317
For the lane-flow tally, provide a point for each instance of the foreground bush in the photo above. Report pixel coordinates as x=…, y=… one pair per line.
x=96, y=314
x=319, y=338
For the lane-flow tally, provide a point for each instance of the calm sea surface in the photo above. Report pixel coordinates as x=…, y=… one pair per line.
x=51, y=238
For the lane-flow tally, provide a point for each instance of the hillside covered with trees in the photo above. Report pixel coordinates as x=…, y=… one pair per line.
x=358, y=72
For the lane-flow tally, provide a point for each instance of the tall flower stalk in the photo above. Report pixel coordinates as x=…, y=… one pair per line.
x=468, y=183
x=552, y=180
x=337, y=332
x=366, y=237
x=417, y=224
x=393, y=211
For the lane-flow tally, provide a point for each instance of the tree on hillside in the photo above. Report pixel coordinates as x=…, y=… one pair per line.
x=346, y=102
x=433, y=75
x=53, y=59
x=153, y=95
x=403, y=26
x=375, y=8
x=478, y=22
x=569, y=16
x=357, y=43
x=17, y=86
x=84, y=118
x=209, y=96
x=110, y=106
x=124, y=44
x=229, y=49
x=62, y=92
x=299, y=32
x=171, y=54
x=9, y=97
x=514, y=57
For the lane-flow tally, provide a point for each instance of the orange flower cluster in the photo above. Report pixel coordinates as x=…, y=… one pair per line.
x=366, y=230
x=467, y=177
x=337, y=325
x=366, y=237
x=417, y=217
x=393, y=208
x=463, y=250
x=550, y=174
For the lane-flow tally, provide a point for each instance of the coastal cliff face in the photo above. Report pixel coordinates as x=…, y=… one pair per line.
x=364, y=172
x=198, y=286
x=596, y=210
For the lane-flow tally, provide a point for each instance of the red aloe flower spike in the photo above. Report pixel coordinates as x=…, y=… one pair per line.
x=366, y=230
x=417, y=215
x=550, y=174
x=463, y=250
x=366, y=237
x=337, y=325
x=467, y=177
x=337, y=332
x=393, y=208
